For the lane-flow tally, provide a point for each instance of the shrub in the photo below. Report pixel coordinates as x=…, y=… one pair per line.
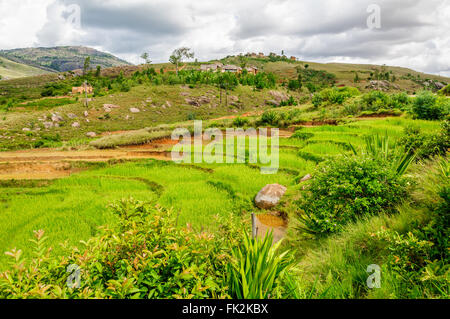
x=302, y=135
x=347, y=188
x=426, y=145
x=426, y=106
x=270, y=118
x=240, y=122
x=144, y=256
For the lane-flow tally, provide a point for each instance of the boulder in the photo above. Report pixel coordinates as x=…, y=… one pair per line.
x=279, y=96
x=26, y=129
x=86, y=113
x=269, y=196
x=91, y=134
x=48, y=125
x=75, y=124
x=71, y=116
x=306, y=178
x=134, y=110
x=56, y=117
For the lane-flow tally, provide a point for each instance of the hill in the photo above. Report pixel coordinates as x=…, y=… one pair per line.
x=13, y=70
x=61, y=59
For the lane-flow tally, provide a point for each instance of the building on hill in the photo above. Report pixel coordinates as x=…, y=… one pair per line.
x=261, y=55
x=293, y=58
x=211, y=67
x=231, y=68
x=81, y=89
x=252, y=70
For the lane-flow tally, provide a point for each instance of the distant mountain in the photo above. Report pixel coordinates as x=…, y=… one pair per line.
x=12, y=70
x=61, y=59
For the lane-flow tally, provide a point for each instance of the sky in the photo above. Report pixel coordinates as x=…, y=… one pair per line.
x=409, y=33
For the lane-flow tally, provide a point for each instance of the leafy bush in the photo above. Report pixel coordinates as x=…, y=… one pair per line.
x=347, y=188
x=421, y=257
x=144, y=255
x=270, y=118
x=256, y=268
x=427, y=106
x=334, y=95
x=240, y=122
x=426, y=145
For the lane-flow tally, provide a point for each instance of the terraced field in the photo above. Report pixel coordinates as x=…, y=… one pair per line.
x=71, y=208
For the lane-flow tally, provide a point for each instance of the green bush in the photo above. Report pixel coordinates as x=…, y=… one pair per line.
x=240, y=122
x=270, y=118
x=427, y=106
x=145, y=255
x=426, y=145
x=334, y=95
x=347, y=188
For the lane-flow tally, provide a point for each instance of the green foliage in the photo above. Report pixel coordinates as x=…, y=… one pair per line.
x=427, y=106
x=334, y=95
x=144, y=255
x=347, y=188
x=426, y=145
x=128, y=138
x=316, y=77
x=302, y=135
x=240, y=122
x=256, y=268
x=420, y=259
x=270, y=118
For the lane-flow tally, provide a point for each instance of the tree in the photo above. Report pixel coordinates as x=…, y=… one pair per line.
x=356, y=79
x=99, y=71
x=179, y=54
x=243, y=61
x=145, y=57
x=87, y=65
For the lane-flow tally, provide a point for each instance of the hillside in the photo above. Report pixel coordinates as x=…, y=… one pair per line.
x=61, y=59
x=13, y=70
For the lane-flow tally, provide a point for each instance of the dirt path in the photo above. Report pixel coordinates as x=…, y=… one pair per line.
x=53, y=163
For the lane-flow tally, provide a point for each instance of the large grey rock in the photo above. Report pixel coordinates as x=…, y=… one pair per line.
x=134, y=110
x=270, y=196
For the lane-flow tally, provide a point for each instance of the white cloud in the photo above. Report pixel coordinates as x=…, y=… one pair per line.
x=414, y=33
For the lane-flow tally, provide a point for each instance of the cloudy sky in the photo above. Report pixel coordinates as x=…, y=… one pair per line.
x=411, y=33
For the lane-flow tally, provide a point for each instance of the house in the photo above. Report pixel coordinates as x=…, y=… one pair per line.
x=232, y=69
x=252, y=70
x=293, y=58
x=261, y=55
x=81, y=89
x=211, y=67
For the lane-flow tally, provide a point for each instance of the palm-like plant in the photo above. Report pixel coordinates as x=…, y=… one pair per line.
x=380, y=147
x=256, y=267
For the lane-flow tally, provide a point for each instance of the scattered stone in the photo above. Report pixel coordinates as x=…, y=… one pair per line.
x=26, y=129
x=57, y=118
x=111, y=106
x=91, y=134
x=48, y=125
x=306, y=178
x=75, y=124
x=61, y=77
x=184, y=94
x=279, y=96
x=168, y=104
x=134, y=110
x=269, y=196
x=71, y=116
x=86, y=113
x=273, y=102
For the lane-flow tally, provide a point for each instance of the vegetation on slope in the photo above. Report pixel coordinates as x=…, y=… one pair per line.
x=61, y=59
